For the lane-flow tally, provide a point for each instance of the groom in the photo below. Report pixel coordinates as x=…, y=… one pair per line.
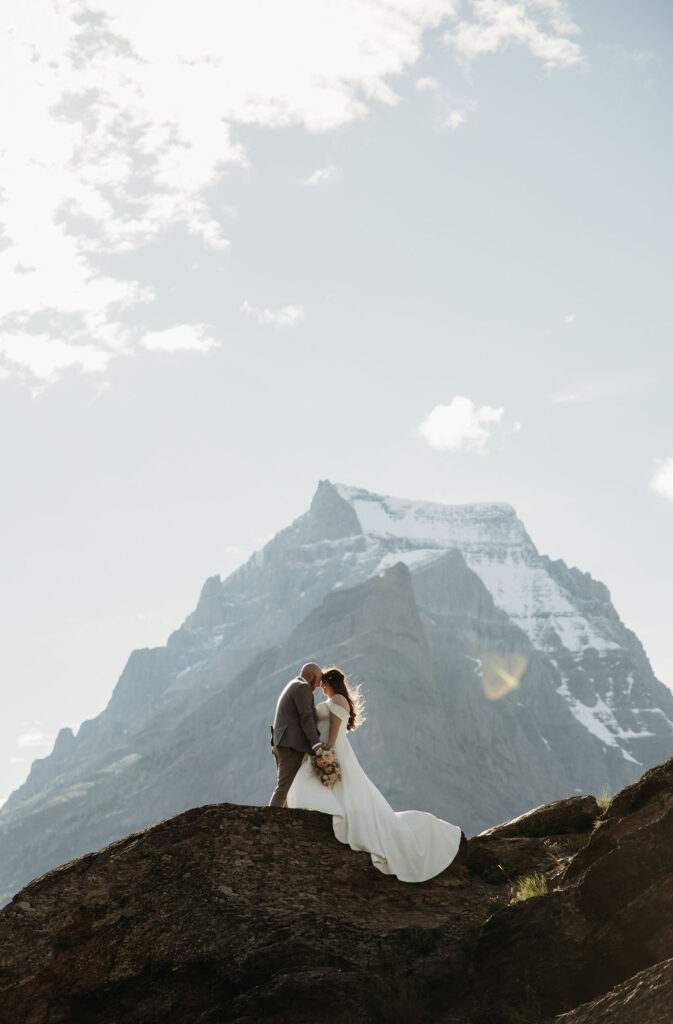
x=295, y=729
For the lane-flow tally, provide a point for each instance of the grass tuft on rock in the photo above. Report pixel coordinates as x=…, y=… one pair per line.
x=604, y=799
x=531, y=885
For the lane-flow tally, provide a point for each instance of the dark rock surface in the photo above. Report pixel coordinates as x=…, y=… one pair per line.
x=646, y=998
x=226, y=913
x=575, y=814
x=609, y=916
x=244, y=914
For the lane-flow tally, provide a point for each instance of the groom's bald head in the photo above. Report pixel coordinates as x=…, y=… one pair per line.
x=312, y=673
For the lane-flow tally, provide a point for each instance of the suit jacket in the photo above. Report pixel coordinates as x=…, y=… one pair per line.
x=296, y=721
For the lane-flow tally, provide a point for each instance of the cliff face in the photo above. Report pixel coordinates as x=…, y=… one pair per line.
x=240, y=914
x=495, y=680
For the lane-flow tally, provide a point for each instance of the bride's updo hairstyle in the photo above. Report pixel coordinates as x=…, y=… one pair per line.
x=335, y=678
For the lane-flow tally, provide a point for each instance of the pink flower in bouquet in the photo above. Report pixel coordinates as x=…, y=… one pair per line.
x=326, y=766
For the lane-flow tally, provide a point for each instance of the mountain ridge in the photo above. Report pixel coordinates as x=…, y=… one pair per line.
x=496, y=695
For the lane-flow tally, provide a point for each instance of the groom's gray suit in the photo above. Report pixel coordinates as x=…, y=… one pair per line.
x=294, y=733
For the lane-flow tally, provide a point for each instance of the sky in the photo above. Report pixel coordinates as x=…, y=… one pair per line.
x=417, y=246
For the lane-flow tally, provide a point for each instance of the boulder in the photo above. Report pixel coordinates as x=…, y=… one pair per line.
x=572, y=815
x=646, y=998
x=610, y=916
x=229, y=913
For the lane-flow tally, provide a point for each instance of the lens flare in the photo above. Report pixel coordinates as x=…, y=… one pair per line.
x=501, y=671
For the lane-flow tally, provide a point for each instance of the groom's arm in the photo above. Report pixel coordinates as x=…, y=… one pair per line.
x=303, y=700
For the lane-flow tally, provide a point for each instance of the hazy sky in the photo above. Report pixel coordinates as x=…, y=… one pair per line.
x=419, y=246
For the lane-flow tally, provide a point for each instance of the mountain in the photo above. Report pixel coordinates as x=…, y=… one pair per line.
x=495, y=679
x=239, y=914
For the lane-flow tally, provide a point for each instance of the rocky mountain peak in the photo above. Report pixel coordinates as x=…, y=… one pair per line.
x=330, y=517
x=209, y=612
x=474, y=651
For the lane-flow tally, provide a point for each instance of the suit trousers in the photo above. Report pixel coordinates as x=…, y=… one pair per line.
x=288, y=762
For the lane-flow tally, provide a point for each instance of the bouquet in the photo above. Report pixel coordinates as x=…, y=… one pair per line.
x=326, y=766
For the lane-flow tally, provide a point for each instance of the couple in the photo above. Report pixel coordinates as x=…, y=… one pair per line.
x=413, y=845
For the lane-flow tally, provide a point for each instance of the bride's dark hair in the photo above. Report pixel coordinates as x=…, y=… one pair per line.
x=335, y=678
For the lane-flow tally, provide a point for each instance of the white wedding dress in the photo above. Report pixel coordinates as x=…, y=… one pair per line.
x=413, y=845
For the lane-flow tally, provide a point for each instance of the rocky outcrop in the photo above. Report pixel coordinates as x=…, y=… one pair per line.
x=575, y=814
x=224, y=913
x=646, y=998
x=247, y=914
x=608, y=918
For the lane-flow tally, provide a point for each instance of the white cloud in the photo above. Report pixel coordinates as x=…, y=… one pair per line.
x=569, y=318
x=498, y=23
x=427, y=84
x=121, y=129
x=17, y=760
x=182, y=338
x=451, y=110
x=126, y=116
x=454, y=119
x=321, y=176
x=47, y=358
x=460, y=425
x=101, y=389
x=662, y=479
x=33, y=738
x=285, y=316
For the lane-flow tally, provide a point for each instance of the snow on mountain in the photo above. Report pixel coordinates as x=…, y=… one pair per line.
x=435, y=524
x=495, y=545
x=564, y=613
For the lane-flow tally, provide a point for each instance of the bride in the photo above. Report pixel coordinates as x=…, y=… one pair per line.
x=413, y=845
